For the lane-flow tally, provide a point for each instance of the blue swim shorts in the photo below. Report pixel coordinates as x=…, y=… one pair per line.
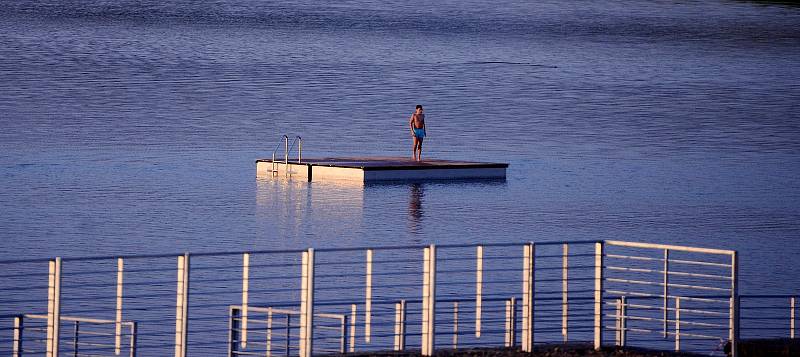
x=419, y=132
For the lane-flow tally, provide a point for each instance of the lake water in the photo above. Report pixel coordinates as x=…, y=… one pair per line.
x=131, y=127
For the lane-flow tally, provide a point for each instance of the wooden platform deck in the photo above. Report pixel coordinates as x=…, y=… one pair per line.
x=369, y=169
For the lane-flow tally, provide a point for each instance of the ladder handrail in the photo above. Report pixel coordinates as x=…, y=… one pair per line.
x=299, y=142
x=285, y=141
x=284, y=137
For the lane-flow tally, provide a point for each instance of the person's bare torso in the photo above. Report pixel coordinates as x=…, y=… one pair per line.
x=418, y=120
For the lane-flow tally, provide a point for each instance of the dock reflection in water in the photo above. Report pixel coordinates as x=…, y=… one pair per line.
x=415, y=212
x=291, y=212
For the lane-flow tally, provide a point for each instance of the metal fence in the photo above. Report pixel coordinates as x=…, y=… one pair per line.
x=423, y=298
x=669, y=297
x=768, y=316
x=85, y=336
x=276, y=332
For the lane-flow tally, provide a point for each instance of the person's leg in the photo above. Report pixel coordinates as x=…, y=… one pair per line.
x=414, y=148
x=419, y=154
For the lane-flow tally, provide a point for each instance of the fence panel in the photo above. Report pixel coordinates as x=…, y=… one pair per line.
x=675, y=297
x=376, y=299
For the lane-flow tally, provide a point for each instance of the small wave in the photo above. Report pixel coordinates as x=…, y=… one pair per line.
x=478, y=63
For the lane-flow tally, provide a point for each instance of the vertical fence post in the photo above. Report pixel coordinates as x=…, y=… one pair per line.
x=288, y=334
x=565, y=292
x=368, y=302
x=623, y=322
x=234, y=314
x=528, y=278
x=269, y=332
x=303, y=306
x=598, y=295
x=307, y=305
x=478, y=289
x=511, y=322
x=343, y=334
x=118, y=317
x=353, y=314
x=665, y=311
x=455, y=325
x=791, y=316
x=53, y=307
x=677, y=323
x=734, y=305
x=432, y=301
x=507, y=336
x=425, y=296
x=76, y=338
x=182, y=306
x=134, y=331
x=618, y=322
x=429, y=301
x=16, y=348
x=245, y=296
x=400, y=326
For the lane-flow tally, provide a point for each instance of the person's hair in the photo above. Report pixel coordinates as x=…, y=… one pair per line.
x=419, y=106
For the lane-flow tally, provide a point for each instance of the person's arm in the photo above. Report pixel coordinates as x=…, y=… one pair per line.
x=411, y=124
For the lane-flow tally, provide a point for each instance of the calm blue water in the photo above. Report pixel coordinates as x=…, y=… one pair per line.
x=132, y=126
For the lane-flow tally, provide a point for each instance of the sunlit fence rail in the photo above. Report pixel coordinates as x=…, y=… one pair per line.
x=422, y=298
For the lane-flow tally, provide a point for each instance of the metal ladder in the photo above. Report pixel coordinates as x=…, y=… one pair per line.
x=288, y=146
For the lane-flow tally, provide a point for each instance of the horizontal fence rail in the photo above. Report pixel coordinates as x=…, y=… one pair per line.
x=404, y=298
x=82, y=336
x=671, y=297
x=769, y=316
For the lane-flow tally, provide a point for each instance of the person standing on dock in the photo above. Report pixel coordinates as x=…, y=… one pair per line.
x=417, y=124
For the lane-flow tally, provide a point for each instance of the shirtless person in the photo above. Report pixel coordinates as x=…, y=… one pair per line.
x=417, y=124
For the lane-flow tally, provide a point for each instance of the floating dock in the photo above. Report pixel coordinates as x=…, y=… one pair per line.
x=370, y=169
